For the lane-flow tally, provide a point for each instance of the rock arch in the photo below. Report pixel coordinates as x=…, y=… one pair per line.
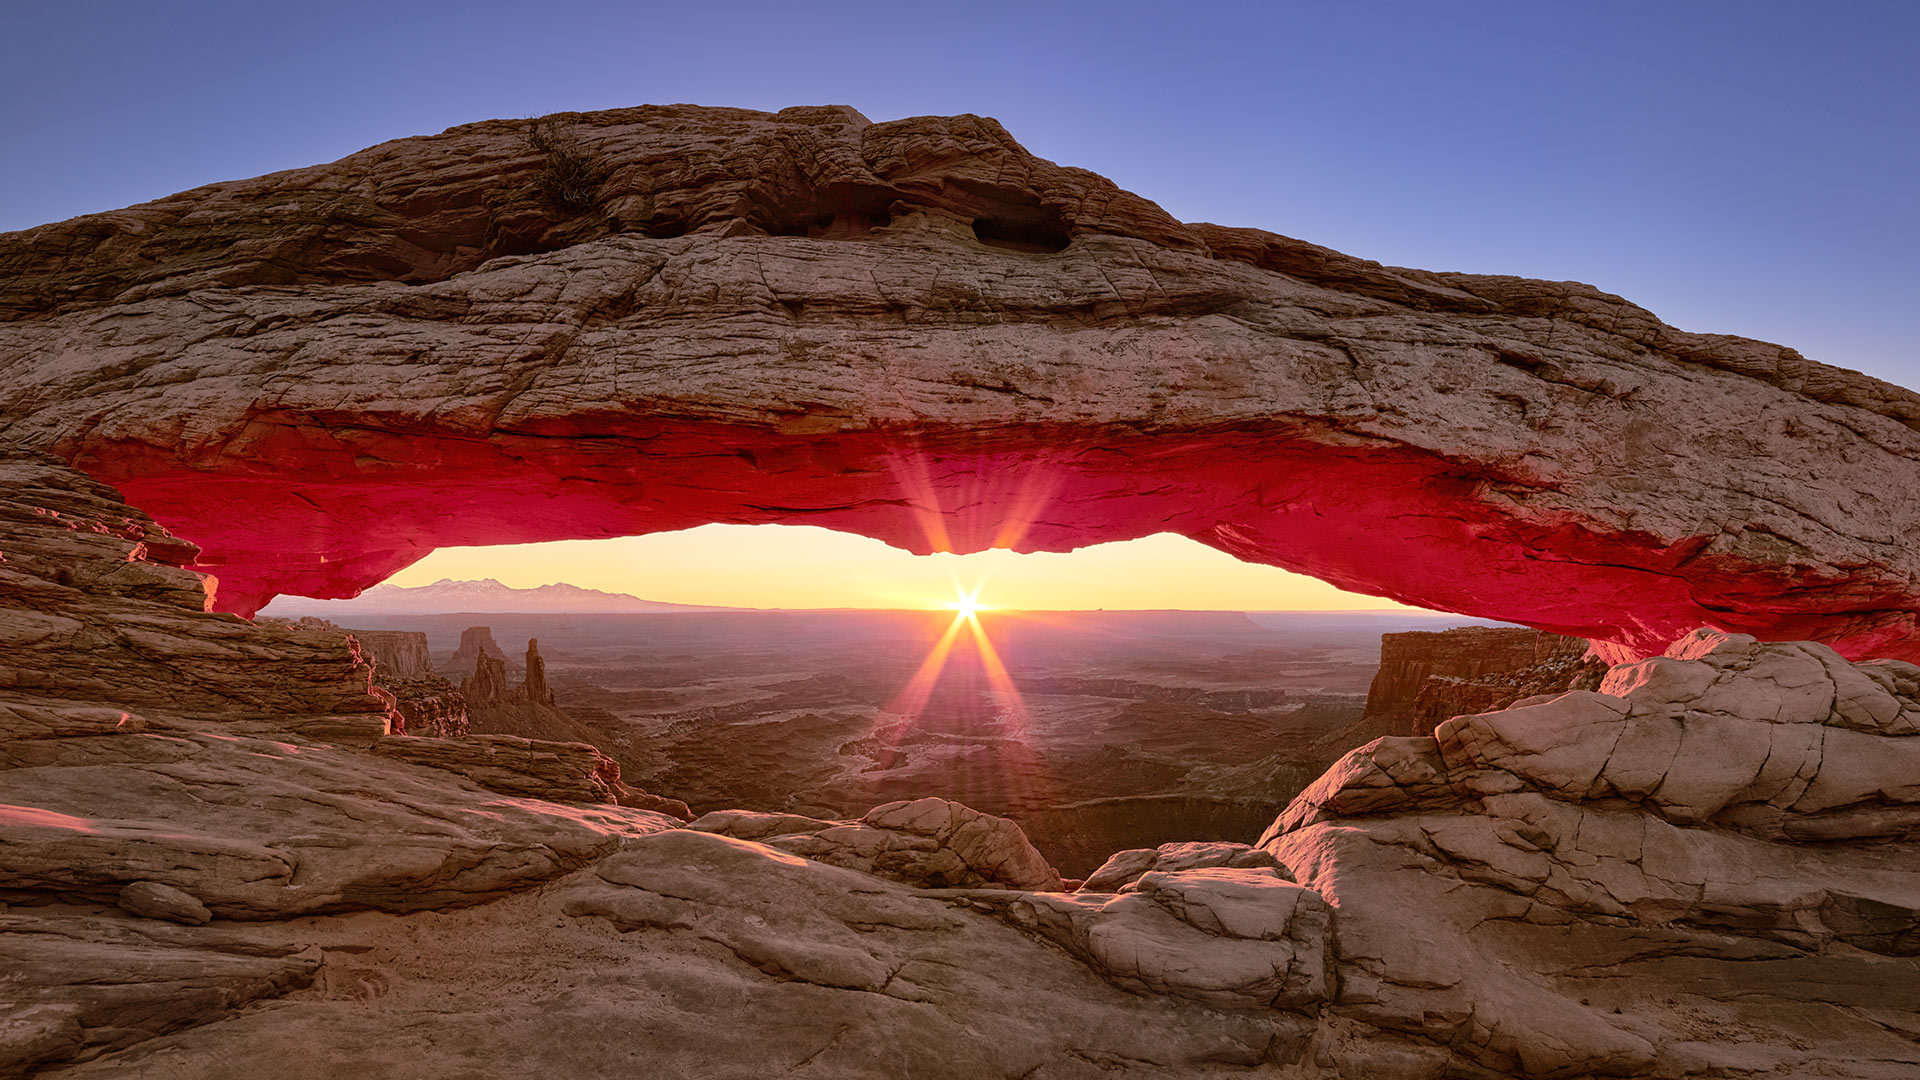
x=918, y=331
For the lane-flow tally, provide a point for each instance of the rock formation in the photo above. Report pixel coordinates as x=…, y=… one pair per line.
x=1127, y=867
x=1429, y=676
x=102, y=627
x=918, y=331
x=928, y=842
x=522, y=743
x=1709, y=864
x=475, y=642
x=426, y=703
x=534, y=689
x=488, y=683
x=398, y=654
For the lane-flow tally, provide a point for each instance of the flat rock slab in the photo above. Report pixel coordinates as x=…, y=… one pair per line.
x=79, y=984
x=263, y=829
x=699, y=955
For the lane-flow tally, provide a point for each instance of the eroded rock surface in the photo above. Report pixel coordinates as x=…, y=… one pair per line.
x=426, y=703
x=1710, y=865
x=101, y=630
x=1707, y=868
x=918, y=331
x=929, y=842
x=79, y=984
x=1126, y=867
x=1426, y=677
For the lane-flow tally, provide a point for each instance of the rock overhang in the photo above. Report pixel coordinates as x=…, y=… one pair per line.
x=260, y=366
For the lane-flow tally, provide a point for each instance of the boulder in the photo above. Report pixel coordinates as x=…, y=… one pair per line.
x=153, y=900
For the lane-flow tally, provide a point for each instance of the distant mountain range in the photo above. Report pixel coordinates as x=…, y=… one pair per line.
x=448, y=596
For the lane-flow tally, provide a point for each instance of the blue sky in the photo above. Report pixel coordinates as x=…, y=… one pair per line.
x=1739, y=167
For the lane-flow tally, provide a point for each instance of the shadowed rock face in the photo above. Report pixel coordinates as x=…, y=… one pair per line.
x=918, y=331
x=1426, y=677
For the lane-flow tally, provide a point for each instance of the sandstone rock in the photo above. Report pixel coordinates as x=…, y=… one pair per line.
x=153, y=900
x=842, y=975
x=1235, y=938
x=448, y=358
x=1427, y=677
x=258, y=829
x=1126, y=867
x=928, y=842
x=488, y=683
x=534, y=689
x=99, y=636
x=1540, y=889
x=425, y=703
x=475, y=642
x=80, y=985
x=400, y=654
x=755, y=825
x=559, y=772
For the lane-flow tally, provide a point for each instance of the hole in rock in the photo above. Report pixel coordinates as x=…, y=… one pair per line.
x=1122, y=695
x=1023, y=234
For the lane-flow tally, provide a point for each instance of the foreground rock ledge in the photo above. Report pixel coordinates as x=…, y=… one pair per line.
x=918, y=331
x=1706, y=868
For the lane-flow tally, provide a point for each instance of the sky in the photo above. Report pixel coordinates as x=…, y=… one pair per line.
x=1738, y=167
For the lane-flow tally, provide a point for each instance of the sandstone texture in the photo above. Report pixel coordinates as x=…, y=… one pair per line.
x=102, y=631
x=1126, y=867
x=1704, y=868
x=919, y=331
x=425, y=703
x=929, y=842
x=80, y=984
x=218, y=860
x=1426, y=677
x=696, y=955
x=1707, y=867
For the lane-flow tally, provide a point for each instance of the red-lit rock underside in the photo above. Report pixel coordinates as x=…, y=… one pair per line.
x=918, y=332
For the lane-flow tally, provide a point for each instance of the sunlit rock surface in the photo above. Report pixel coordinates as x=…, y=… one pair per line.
x=918, y=331
x=1709, y=865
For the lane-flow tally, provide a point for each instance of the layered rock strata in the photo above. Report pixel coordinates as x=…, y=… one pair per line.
x=918, y=331
x=1426, y=677
x=162, y=764
x=475, y=642
x=427, y=704
x=104, y=632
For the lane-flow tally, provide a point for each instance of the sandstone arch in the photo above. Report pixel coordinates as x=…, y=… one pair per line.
x=320, y=375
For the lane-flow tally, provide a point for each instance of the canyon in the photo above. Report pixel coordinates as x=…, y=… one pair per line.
x=226, y=850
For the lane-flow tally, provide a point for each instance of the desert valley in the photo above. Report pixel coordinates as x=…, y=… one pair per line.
x=1114, y=730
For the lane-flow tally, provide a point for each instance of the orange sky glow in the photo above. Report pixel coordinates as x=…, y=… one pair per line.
x=802, y=566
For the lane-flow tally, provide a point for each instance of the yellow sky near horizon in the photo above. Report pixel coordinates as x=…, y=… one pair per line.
x=803, y=566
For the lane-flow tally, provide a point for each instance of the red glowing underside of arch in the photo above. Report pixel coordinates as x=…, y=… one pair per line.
x=328, y=513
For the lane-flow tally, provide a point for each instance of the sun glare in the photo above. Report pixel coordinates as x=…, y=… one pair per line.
x=968, y=605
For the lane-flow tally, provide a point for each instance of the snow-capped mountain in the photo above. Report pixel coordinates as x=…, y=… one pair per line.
x=448, y=596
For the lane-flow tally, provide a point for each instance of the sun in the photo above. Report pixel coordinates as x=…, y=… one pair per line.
x=968, y=606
